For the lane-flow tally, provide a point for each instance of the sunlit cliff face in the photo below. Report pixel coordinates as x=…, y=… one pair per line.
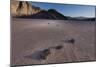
x=23, y=8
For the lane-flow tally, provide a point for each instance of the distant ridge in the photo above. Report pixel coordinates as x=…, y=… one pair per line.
x=82, y=18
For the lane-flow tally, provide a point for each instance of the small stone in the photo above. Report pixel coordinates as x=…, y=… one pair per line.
x=59, y=47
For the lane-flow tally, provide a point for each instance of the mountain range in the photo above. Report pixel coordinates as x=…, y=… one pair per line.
x=23, y=9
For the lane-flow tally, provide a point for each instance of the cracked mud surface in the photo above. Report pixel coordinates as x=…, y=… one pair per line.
x=37, y=42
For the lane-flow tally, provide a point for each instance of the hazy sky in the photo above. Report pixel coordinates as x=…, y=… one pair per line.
x=69, y=9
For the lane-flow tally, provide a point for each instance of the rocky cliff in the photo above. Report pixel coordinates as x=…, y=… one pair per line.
x=23, y=8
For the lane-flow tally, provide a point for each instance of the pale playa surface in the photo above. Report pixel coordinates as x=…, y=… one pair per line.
x=31, y=35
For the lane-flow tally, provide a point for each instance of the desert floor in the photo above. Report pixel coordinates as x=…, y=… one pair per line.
x=35, y=41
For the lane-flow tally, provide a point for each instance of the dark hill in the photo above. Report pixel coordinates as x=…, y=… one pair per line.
x=56, y=14
x=50, y=14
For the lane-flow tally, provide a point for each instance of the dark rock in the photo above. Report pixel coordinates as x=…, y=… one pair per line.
x=71, y=41
x=39, y=55
x=58, y=47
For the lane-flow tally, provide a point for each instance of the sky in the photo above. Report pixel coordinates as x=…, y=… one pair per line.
x=69, y=9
